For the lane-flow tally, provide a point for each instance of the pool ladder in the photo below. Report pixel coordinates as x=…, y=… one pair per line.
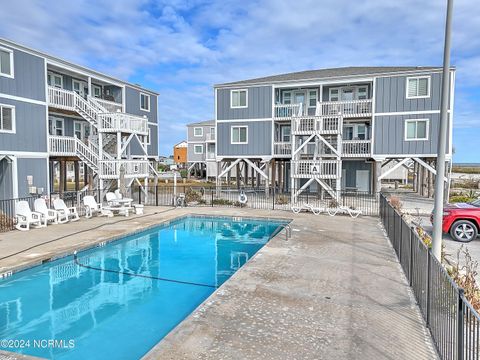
x=288, y=232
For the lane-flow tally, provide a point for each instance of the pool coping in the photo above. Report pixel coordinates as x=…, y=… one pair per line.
x=9, y=271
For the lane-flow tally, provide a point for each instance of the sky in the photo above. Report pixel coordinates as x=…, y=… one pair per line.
x=182, y=48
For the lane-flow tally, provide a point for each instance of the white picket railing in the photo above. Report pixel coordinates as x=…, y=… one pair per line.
x=60, y=98
x=356, y=148
x=61, y=145
x=109, y=106
x=110, y=169
x=122, y=122
x=282, y=148
x=323, y=124
x=325, y=169
x=210, y=136
x=286, y=111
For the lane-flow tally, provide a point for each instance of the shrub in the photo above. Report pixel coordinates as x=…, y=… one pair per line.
x=183, y=173
x=192, y=196
x=221, y=202
x=460, y=199
x=396, y=203
x=464, y=276
x=281, y=200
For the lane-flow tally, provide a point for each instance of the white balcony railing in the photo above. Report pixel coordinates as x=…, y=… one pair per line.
x=110, y=106
x=356, y=148
x=123, y=122
x=286, y=111
x=110, y=169
x=210, y=137
x=324, y=125
x=325, y=169
x=348, y=109
x=282, y=148
x=61, y=145
x=61, y=99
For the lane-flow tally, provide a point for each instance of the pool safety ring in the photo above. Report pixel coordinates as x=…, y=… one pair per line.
x=242, y=197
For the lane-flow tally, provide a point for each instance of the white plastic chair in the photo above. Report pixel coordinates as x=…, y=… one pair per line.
x=92, y=207
x=112, y=199
x=26, y=217
x=48, y=215
x=69, y=212
x=118, y=194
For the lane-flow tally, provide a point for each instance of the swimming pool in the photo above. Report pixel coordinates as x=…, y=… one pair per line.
x=118, y=300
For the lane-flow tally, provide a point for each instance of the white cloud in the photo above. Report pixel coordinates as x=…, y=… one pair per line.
x=181, y=48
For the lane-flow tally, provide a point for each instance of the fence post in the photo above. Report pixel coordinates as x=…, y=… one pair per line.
x=460, y=325
x=139, y=195
x=429, y=284
x=273, y=204
x=410, y=268
x=400, y=243
x=211, y=192
x=156, y=195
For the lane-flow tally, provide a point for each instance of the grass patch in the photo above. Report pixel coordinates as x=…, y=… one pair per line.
x=466, y=170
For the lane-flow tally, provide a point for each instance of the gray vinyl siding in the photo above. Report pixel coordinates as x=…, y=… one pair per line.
x=206, y=130
x=35, y=167
x=6, y=180
x=192, y=157
x=390, y=135
x=259, y=104
x=152, y=149
x=259, y=139
x=29, y=77
x=391, y=95
x=326, y=90
x=132, y=104
x=351, y=167
x=31, y=128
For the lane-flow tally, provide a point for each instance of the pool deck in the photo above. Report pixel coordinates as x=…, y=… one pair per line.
x=333, y=291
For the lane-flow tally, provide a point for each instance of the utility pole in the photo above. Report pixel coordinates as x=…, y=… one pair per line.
x=442, y=140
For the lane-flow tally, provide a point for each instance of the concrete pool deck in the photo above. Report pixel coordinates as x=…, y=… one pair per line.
x=333, y=291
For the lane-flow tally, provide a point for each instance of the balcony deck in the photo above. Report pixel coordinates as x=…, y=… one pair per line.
x=347, y=109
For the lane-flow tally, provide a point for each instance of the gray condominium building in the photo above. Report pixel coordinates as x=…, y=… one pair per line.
x=331, y=129
x=55, y=115
x=201, y=141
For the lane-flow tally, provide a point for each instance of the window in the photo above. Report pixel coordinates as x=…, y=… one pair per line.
x=97, y=91
x=362, y=93
x=198, y=149
x=55, y=125
x=239, y=135
x=416, y=129
x=333, y=95
x=7, y=118
x=145, y=102
x=198, y=131
x=6, y=62
x=55, y=80
x=418, y=87
x=287, y=97
x=312, y=98
x=348, y=132
x=238, y=99
x=361, y=132
x=285, y=133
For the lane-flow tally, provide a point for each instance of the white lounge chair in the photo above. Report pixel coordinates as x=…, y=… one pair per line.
x=297, y=208
x=112, y=199
x=69, y=212
x=332, y=211
x=48, y=215
x=314, y=209
x=26, y=217
x=92, y=207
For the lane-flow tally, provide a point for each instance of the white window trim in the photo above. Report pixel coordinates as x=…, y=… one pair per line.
x=196, y=128
x=330, y=93
x=96, y=87
x=239, y=142
x=195, y=149
x=149, y=141
x=14, y=129
x=418, y=78
x=12, y=68
x=149, y=100
x=308, y=98
x=283, y=96
x=54, y=120
x=52, y=74
x=427, y=129
x=231, y=98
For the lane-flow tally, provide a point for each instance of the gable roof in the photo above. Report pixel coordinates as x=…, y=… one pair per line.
x=350, y=71
x=181, y=144
x=202, y=123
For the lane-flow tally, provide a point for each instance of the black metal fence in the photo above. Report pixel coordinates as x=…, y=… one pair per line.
x=453, y=323
x=256, y=198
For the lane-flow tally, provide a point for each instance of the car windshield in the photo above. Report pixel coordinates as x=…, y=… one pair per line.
x=476, y=203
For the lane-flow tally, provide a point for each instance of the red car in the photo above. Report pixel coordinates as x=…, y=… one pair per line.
x=462, y=220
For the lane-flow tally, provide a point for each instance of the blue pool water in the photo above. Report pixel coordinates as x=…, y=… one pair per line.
x=111, y=313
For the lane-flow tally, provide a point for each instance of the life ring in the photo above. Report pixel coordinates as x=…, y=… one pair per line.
x=242, y=197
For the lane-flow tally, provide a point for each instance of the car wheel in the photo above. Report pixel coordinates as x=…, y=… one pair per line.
x=464, y=231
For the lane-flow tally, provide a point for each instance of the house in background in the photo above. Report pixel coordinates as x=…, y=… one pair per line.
x=201, y=141
x=54, y=113
x=330, y=130
x=180, y=154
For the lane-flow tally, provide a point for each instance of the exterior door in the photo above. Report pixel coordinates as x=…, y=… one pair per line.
x=79, y=87
x=81, y=130
x=299, y=98
x=55, y=126
x=363, y=180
